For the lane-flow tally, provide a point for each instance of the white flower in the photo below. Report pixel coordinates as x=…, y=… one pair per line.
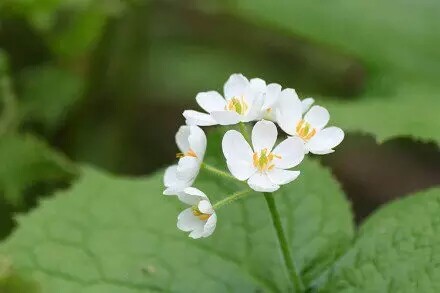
x=311, y=129
x=272, y=97
x=200, y=219
x=173, y=184
x=241, y=103
x=271, y=94
x=191, y=141
x=263, y=167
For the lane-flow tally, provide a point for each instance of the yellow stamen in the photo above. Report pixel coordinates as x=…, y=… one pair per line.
x=264, y=161
x=189, y=153
x=196, y=212
x=237, y=104
x=305, y=130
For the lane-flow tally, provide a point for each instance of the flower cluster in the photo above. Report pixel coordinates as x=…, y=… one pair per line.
x=257, y=160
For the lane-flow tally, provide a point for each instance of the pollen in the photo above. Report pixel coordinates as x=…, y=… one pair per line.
x=237, y=104
x=189, y=153
x=264, y=160
x=196, y=212
x=305, y=130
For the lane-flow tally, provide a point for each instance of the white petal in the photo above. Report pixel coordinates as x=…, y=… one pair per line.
x=197, y=233
x=198, y=118
x=170, y=176
x=187, y=168
x=191, y=196
x=210, y=224
x=186, y=221
x=235, y=86
x=289, y=98
x=325, y=140
x=306, y=104
x=255, y=102
x=241, y=169
x=289, y=111
x=226, y=117
x=197, y=141
x=182, y=138
x=196, y=192
x=291, y=151
x=258, y=85
x=188, y=199
x=173, y=184
x=318, y=117
x=173, y=191
x=235, y=147
x=273, y=92
x=205, y=207
x=260, y=182
x=211, y=101
x=324, y=152
x=264, y=135
x=280, y=176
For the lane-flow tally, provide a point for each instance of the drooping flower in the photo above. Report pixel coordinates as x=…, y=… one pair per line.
x=264, y=167
x=241, y=103
x=173, y=184
x=200, y=219
x=311, y=129
x=191, y=141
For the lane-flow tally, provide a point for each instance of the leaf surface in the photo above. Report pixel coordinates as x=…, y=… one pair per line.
x=397, y=250
x=110, y=234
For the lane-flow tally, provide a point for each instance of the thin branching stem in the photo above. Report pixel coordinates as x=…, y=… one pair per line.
x=218, y=172
x=235, y=196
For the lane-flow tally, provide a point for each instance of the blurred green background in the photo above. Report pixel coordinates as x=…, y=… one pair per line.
x=105, y=82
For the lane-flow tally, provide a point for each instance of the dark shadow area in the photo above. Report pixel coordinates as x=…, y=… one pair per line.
x=373, y=174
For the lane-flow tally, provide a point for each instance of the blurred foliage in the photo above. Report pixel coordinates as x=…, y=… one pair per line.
x=9, y=108
x=47, y=94
x=396, y=46
x=26, y=161
x=388, y=41
x=71, y=27
x=12, y=282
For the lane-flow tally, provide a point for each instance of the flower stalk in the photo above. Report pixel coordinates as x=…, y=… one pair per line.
x=284, y=245
x=218, y=172
x=231, y=198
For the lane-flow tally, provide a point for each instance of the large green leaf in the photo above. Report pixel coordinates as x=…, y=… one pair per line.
x=397, y=250
x=109, y=234
x=25, y=162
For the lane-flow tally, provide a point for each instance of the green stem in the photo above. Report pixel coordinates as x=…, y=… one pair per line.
x=285, y=250
x=231, y=198
x=218, y=172
x=244, y=131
